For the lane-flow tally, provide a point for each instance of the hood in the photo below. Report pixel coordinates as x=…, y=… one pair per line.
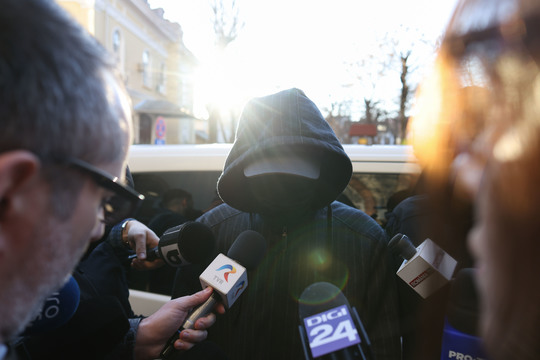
x=285, y=124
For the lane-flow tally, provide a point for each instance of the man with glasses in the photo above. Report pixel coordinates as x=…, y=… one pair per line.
x=65, y=128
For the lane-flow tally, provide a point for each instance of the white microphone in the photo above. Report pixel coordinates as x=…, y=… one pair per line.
x=227, y=275
x=426, y=268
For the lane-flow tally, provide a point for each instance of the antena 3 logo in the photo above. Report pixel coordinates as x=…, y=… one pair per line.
x=232, y=270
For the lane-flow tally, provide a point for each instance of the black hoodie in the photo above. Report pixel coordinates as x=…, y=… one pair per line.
x=308, y=241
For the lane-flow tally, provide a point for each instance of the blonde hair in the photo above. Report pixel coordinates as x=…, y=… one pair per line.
x=484, y=98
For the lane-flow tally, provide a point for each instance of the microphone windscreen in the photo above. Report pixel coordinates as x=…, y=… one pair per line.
x=195, y=241
x=463, y=312
x=402, y=246
x=57, y=309
x=319, y=297
x=248, y=249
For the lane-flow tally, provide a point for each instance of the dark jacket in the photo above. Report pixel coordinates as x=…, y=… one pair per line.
x=325, y=241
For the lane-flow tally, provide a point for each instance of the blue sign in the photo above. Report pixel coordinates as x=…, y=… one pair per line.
x=460, y=345
x=161, y=130
x=331, y=331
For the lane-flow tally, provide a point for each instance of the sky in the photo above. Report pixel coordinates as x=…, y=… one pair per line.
x=303, y=43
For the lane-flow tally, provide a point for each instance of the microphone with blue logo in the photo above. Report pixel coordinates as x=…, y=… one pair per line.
x=227, y=275
x=330, y=328
x=57, y=309
x=460, y=333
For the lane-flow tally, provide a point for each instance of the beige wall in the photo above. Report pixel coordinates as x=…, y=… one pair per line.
x=142, y=30
x=83, y=11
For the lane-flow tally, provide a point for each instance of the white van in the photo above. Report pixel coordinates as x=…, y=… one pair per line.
x=380, y=171
x=382, y=175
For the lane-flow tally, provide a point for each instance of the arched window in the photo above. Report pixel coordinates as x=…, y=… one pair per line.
x=161, y=79
x=146, y=68
x=118, y=48
x=145, y=129
x=116, y=41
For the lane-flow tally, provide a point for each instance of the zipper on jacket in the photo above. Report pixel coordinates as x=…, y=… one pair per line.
x=284, y=234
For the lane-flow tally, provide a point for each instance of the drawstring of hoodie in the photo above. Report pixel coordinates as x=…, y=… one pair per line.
x=283, y=231
x=329, y=232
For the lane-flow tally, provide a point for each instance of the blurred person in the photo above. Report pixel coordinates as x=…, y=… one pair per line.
x=177, y=208
x=411, y=216
x=60, y=95
x=281, y=179
x=477, y=134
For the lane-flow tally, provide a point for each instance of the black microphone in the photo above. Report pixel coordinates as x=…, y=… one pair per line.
x=189, y=243
x=329, y=328
x=227, y=275
x=57, y=309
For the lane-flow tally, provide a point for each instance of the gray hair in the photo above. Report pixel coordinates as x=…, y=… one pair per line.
x=57, y=87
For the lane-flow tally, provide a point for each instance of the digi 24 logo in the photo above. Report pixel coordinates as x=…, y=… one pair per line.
x=330, y=331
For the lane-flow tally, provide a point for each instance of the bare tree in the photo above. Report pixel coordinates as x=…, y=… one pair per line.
x=227, y=23
x=368, y=71
x=373, y=112
x=339, y=119
x=396, y=56
x=404, y=95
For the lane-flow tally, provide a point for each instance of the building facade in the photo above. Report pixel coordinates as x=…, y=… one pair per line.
x=157, y=68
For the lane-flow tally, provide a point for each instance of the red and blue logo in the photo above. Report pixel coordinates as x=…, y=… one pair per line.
x=231, y=269
x=239, y=287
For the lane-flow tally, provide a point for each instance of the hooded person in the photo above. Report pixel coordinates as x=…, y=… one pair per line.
x=281, y=178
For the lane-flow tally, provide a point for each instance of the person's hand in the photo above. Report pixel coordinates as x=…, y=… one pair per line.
x=155, y=330
x=141, y=238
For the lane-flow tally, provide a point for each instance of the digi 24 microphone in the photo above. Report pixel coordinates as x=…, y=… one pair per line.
x=426, y=268
x=57, y=309
x=460, y=333
x=227, y=275
x=330, y=328
x=189, y=243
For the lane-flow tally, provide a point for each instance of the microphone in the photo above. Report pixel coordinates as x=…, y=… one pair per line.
x=329, y=328
x=57, y=309
x=426, y=268
x=227, y=275
x=460, y=336
x=189, y=243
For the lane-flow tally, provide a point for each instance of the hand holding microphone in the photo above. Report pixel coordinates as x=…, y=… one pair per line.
x=189, y=243
x=227, y=275
x=156, y=328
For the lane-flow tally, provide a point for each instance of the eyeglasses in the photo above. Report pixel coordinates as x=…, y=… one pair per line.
x=125, y=201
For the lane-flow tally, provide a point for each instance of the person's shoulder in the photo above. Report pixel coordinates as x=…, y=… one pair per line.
x=357, y=221
x=414, y=204
x=220, y=214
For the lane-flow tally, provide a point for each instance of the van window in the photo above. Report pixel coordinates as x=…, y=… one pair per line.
x=375, y=193
x=200, y=184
